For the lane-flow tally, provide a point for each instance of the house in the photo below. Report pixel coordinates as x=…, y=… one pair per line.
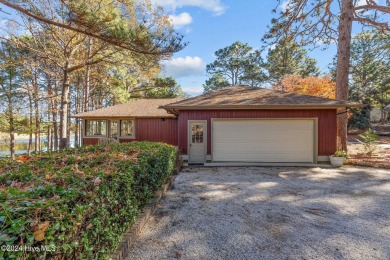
x=235, y=124
x=375, y=115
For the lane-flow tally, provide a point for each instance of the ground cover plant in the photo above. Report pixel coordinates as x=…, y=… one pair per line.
x=78, y=203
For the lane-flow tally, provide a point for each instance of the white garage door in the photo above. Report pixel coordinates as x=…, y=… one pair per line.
x=263, y=140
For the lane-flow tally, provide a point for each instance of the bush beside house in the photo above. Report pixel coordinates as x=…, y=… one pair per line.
x=78, y=203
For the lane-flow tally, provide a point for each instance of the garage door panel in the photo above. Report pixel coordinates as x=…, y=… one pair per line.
x=262, y=149
x=263, y=140
x=264, y=158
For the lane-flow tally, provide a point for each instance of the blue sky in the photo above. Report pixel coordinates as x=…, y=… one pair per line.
x=209, y=25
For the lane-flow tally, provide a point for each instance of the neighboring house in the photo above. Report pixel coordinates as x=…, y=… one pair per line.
x=235, y=124
x=375, y=115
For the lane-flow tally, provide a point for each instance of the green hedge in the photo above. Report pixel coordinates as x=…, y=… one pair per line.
x=79, y=202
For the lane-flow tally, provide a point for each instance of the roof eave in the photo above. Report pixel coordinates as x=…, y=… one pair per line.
x=240, y=107
x=118, y=117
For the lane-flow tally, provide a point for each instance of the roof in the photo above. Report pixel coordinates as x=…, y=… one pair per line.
x=137, y=108
x=246, y=97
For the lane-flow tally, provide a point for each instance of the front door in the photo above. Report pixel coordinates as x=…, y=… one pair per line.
x=197, y=142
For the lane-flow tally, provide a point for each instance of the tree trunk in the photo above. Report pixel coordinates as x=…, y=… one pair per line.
x=30, y=131
x=54, y=110
x=49, y=113
x=49, y=129
x=11, y=125
x=12, y=134
x=68, y=132
x=343, y=57
x=64, y=110
x=37, y=118
x=87, y=79
x=77, y=110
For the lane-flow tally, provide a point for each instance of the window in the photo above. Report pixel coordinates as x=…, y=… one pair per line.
x=127, y=128
x=95, y=127
x=114, y=125
x=197, y=134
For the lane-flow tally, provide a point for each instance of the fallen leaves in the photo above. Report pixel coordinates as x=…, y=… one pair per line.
x=76, y=169
x=357, y=157
x=23, y=158
x=39, y=230
x=97, y=181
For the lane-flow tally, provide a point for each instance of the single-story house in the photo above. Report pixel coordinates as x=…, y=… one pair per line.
x=235, y=124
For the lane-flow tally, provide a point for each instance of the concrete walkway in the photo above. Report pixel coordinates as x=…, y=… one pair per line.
x=271, y=213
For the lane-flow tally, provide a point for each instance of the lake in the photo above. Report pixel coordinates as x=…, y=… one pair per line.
x=21, y=146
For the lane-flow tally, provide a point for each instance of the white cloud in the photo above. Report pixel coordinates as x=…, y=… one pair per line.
x=193, y=91
x=361, y=2
x=284, y=5
x=184, y=67
x=180, y=20
x=214, y=6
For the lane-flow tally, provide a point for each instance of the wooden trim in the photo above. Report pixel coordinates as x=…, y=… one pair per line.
x=184, y=157
x=315, y=129
x=118, y=117
x=315, y=141
x=276, y=107
x=82, y=132
x=109, y=128
x=323, y=158
x=95, y=136
x=120, y=129
x=204, y=137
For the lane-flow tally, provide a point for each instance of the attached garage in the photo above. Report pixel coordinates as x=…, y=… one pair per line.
x=264, y=140
x=241, y=124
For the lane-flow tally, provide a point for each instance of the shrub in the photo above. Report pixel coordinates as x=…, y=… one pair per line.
x=359, y=118
x=78, y=201
x=369, y=140
x=339, y=153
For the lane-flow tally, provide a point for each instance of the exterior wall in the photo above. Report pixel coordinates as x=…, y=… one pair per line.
x=90, y=141
x=327, y=124
x=149, y=129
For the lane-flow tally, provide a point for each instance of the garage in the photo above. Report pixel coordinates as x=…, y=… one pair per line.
x=251, y=124
x=264, y=140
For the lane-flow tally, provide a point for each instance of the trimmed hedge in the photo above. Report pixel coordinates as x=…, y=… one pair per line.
x=77, y=204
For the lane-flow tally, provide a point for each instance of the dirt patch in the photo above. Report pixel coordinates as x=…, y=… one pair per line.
x=382, y=139
x=381, y=159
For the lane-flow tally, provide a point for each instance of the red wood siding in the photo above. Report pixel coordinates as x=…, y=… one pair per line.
x=327, y=124
x=150, y=129
x=90, y=141
x=155, y=130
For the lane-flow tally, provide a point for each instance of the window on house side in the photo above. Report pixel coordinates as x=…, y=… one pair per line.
x=95, y=127
x=127, y=128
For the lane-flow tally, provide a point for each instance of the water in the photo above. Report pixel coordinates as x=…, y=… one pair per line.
x=21, y=146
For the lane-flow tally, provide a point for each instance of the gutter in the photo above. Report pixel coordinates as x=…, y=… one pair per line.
x=239, y=107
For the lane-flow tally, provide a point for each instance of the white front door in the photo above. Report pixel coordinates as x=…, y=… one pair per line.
x=197, y=142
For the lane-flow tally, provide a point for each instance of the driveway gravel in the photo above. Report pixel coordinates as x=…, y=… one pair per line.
x=271, y=213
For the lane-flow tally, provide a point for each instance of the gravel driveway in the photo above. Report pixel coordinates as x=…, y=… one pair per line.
x=271, y=213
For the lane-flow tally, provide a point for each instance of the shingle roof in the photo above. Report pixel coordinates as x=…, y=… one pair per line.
x=240, y=97
x=137, y=108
